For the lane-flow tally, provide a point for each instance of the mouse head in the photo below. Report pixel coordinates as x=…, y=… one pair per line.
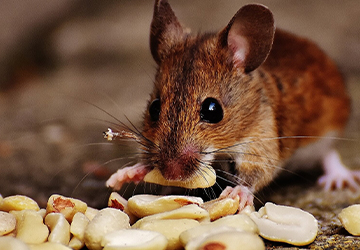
x=204, y=96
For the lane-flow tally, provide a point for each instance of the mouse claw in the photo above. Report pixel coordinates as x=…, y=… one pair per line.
x=338, y=176
x=244, y=194
x=134, y=174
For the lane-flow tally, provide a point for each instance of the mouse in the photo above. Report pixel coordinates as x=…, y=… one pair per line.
x=248, y=101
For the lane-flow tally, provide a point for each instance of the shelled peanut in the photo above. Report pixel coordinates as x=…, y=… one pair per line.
x=350, y=219
x=142, y=222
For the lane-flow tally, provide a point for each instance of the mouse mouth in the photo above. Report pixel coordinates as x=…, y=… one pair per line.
x=206, y=179
x=177, y=164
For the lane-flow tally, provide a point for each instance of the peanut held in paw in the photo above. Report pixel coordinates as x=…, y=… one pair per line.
x=205, y=178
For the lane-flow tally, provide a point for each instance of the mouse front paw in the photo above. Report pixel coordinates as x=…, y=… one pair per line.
x=337, y=175
x=244, y=194
x=134, y=174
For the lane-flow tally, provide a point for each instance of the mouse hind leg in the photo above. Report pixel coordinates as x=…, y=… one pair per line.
x=336, y=174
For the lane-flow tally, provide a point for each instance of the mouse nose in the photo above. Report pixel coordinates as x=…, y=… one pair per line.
x=182, y=165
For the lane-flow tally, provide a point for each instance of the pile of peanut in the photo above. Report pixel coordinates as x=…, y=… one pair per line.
x=148, y=222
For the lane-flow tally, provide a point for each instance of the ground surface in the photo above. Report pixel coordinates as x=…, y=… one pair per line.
x=66, y=67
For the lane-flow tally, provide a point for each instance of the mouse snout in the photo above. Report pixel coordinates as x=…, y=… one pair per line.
x=179, y=165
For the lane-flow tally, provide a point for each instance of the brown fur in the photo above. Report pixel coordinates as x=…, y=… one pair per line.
x=297, y=91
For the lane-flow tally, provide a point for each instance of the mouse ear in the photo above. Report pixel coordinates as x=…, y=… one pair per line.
x=249, y=36
x=165, y=30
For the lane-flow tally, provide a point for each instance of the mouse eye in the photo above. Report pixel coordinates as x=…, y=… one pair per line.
x=154, y=110
x=211, y=111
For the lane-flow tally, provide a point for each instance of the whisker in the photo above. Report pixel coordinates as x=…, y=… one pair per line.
x=119, y=123
x=207, y=193
x=81, y=181
x=225, y=179
x=141, y=135
x=100, y=165
x=238, y=181
x=106, y=112
x=259, y=140
x=122, y=133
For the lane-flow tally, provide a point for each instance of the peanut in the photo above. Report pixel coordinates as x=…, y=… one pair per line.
x=7, y=223
x=106, y=221
x=59, y=228
x=350, y=219
x=67, y=206
x=206, y=178
x=78, y=225
x=131, y=239
x=285, y=224
x=171, y=229
x=30, y=227
x=11, y=243
x=144, y=205
x=18, y=203
x=229, y=240
x=221, y=207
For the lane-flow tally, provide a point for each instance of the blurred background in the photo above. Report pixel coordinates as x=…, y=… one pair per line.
x=66, y=65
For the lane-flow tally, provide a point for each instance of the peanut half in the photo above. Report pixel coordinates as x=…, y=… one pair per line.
x=350, y=219
x=171, y=229
x=131, y=239
x=30, y=227
x=7, y=223
x=59, y=228
x=285, y=224
x=11, y=243
x=240, y=222
x=187, y=212
x=90, y=212
x=144, y=205
x=229, y=240
x=78, y=225
x=221, y=207
x=117, y=201
x=49, y=246
x=106, y=221
x=18, y=203
x=76, y=243
x=67, y=206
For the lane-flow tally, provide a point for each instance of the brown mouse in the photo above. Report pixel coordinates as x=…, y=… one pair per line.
x=247, y=100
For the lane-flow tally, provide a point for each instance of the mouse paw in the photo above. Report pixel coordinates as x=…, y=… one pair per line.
x=337, y=175
x=244, y=194
x=134, y=174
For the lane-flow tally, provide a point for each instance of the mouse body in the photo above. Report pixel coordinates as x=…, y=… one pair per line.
x=246, y=100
